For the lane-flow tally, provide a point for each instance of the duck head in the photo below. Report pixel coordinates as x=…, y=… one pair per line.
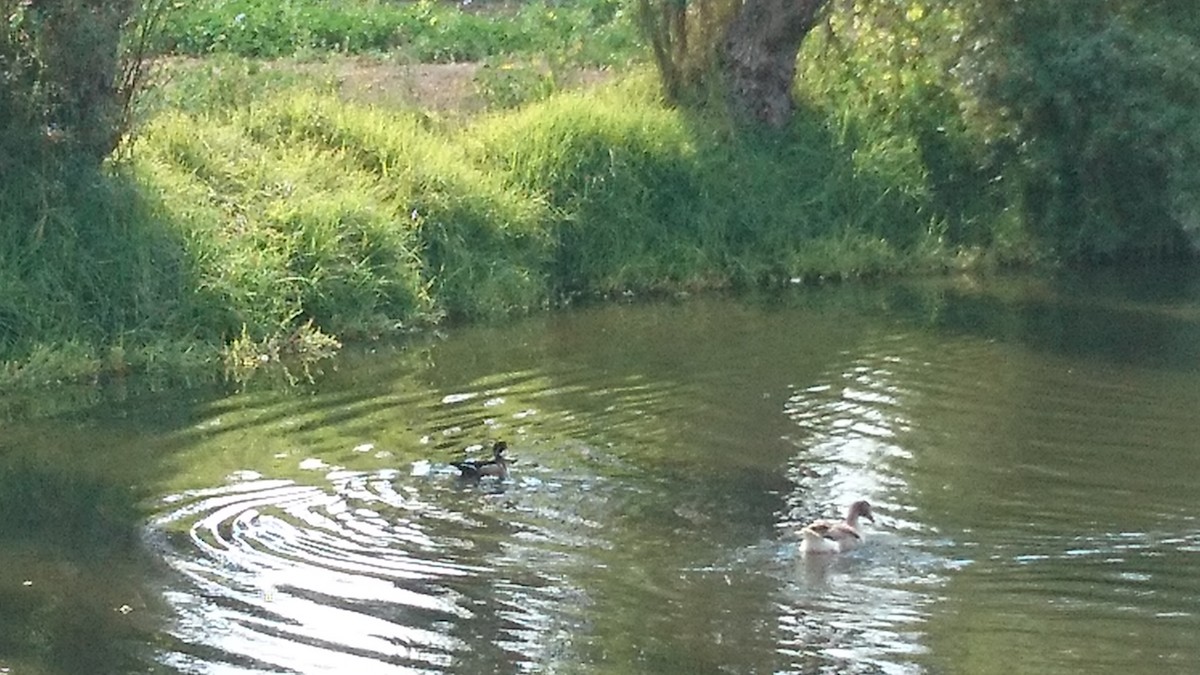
x=860, y=508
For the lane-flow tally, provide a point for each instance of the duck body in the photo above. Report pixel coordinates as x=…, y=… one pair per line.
x=836, y=536
x=815, y=540
x=496, y=467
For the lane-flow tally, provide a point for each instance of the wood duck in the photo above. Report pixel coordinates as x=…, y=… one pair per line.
x=836, y=536
x=478, y=468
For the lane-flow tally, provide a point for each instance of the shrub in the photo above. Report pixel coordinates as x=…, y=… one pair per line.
x=592, y=31
x=67, y=80
x=1083, y=119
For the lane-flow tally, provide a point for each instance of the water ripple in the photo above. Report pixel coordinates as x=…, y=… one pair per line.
x=278, y=575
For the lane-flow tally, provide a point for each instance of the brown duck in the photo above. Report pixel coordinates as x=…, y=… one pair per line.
x=836, y=536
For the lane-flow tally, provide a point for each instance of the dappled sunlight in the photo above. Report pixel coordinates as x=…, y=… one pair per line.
x=662, y=451
x=862, y=611
x=847, y=434
x=360, y=574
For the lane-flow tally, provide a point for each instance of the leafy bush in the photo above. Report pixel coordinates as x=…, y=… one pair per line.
x=66, y=82
x=882, y=73
x=1099, y=112
x=1072, y=122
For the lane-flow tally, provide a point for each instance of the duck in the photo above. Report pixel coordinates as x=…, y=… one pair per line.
x=836, y=536
x=815, y=539
x=497, y=466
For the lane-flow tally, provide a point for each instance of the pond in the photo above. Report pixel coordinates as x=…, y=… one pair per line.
x=1029, y=446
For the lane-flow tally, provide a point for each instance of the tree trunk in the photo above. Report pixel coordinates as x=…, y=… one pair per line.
x=759, y=60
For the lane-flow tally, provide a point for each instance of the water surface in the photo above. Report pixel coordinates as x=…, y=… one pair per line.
x=1029, y=446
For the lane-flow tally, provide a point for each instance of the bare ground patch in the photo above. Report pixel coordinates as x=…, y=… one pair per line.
x=443, y=88
x=438, y=87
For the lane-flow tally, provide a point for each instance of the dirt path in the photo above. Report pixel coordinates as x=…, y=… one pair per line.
x=449, y=88
x=441, y=87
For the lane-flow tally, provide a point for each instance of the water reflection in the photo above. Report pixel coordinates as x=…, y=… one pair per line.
x=70, y=596
x=366, y=574
x=1033, y=481
x=864, y=611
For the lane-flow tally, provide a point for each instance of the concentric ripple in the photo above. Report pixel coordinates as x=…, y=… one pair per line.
x=355, y=576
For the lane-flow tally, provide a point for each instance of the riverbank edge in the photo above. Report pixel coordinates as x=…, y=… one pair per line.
x=590, y=193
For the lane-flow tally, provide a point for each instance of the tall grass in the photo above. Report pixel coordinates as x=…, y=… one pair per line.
x=92, y=285
x=478, y=246
x=649, y=197
x=262, y=220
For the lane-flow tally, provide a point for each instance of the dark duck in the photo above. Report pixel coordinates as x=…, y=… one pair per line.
x=497, y=466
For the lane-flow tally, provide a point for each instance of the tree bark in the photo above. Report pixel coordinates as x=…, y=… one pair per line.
x=759, y=60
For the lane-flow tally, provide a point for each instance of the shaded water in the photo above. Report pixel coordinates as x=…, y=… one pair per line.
x=1030, y=448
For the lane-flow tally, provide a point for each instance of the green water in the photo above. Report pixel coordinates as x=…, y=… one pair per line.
x=1030, y=447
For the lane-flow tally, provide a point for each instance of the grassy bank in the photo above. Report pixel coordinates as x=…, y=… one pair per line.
x=258, y=219
x=265, y=211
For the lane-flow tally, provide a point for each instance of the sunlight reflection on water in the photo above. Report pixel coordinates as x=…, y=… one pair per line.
x=664, y=455
x=864, y=611
x=290, y=576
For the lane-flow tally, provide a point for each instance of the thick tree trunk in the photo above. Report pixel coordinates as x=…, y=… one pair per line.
x=759, y=59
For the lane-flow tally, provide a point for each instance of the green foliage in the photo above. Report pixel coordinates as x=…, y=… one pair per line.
x=1062, y=127
x=881, y=72
x=258, y=220
x=69, y=69
x=476, y=244
x=592, y=31
x=1095, y=109
x=91, y=273
x=685, y=40
x=275, y=223
x=646, y=198
x=282, y=234
x=617, y=176
x=1069, y=122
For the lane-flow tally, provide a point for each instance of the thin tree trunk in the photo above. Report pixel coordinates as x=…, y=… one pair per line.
x=760, y=57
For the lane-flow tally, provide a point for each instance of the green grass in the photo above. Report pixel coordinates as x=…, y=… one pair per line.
x=259, y=220
x=648, y=197
x=591, y=31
